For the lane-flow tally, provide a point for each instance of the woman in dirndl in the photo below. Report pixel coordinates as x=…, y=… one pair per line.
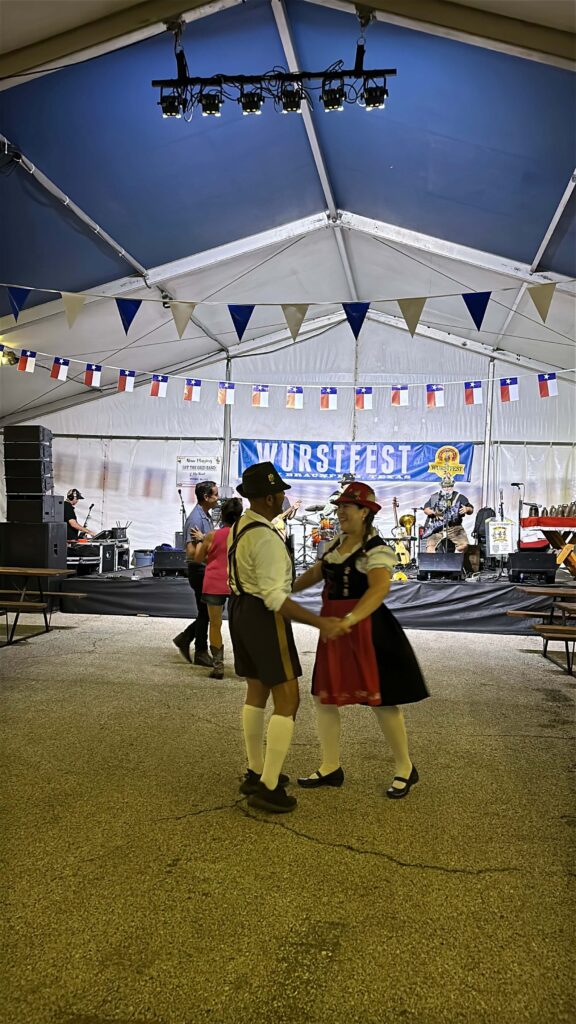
x=372, y=663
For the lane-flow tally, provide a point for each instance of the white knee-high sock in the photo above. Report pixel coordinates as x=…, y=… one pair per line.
x=278, y=740
x=391, y=722
x=253, y=726
x=328, y=727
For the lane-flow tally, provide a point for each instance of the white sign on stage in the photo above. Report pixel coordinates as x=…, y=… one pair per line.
x=500, y=537
x=192, y=468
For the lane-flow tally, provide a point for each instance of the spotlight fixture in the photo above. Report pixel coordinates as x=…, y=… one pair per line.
x=251, y=100
x=333, y=93
x=170, y=104
x=374, y=94
x=211, y=101
x=291, y=96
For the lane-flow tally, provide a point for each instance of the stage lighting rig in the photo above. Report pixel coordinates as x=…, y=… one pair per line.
x=338, y=86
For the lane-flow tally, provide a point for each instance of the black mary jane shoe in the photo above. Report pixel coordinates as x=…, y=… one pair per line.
x=335, y=778
x=397, y=794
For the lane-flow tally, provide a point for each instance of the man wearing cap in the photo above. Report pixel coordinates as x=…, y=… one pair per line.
x=73, y=527
x=260, y=576
x=438, y=506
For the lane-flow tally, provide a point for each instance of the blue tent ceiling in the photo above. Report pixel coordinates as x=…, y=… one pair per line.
x=475, y=147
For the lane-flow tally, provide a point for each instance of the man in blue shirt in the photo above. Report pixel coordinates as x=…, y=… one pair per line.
x=197, y=524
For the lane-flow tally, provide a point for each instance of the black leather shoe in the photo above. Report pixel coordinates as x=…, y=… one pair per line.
x=275, y=801
x=251, y=779
x=397, y=794
x=335, y=778
x=183, y=646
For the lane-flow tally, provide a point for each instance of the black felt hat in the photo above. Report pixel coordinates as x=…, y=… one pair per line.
x=261, y=479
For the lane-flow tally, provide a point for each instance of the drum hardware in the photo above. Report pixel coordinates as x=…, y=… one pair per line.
x=314, y=508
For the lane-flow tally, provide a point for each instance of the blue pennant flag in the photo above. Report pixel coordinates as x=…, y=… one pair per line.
x=356, y=314
x=240, y=317
x=17, y=297
x=476, y=303
x=128, y=309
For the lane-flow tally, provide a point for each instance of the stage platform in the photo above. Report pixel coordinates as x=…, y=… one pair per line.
x=475, y=605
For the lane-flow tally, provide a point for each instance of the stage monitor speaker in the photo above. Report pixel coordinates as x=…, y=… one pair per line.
x=532, y=567
x=33, y=545
x=440, y=565
x=46, y=508
x=169, y=562
x=33, y=432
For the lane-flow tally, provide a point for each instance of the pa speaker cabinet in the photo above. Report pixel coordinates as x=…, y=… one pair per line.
x=33, y=432
x=169, y=562
x=27, y=450
x=440, y=565
x=46, y=508
x=33, y=545
x=532, y=567
x=28, y=487
x=33, y=469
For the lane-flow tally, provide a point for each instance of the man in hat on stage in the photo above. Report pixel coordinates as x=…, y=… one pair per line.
x=437, y=509
x=260, y=607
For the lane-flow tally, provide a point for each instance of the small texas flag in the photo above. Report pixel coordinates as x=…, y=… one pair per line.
x=473, y=392
x=92, y=375
x=509, y=389
x=399, y=394
x=295, y=397
x=363, y=398
x=328, y=398
x=434, y=395
x=158, y=386
x=260, y=395
x=226, y=393
x=126, y=380
x=547, y=385
x=27, y=361
x=59, y=369
x=192, y=389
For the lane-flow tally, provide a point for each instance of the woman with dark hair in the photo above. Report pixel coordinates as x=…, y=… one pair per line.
x=215, y=589
x=372, y=663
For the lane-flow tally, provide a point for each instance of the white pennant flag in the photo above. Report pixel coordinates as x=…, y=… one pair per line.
x=182, y=311
x=542, y=295
x=294, y=315
x=411, y=310
x=72, y=305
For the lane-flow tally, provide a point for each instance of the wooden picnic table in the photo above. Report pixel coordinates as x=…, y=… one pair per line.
x=23, y=578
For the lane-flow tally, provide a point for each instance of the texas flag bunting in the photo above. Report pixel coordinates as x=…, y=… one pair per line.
x=126, y=380
x=363, y=398
x=92, y=375
x=260, y=395
x=59, y=369
x=509, y=389
x=192, y=390
x=548, y=385
x=399, y=394
x=159, y=385
x=473, y=392
x=226, y=392
x=434, y=395
x=295, y=397
x=328, y=398
x=27, y=361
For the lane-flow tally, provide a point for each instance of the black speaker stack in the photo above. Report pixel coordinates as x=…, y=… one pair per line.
x=35, y=534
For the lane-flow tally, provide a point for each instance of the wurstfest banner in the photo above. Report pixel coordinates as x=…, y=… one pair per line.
x=378, y=460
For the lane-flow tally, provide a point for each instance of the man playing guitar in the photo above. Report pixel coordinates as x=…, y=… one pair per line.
x=445, y=509
x=288, y=512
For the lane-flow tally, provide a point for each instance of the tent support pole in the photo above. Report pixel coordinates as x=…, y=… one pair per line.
x=488, y=432
x=226, y=445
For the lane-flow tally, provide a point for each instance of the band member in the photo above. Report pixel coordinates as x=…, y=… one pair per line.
x=74, y=530
x=437, y=508
x=288, y=512
x=328, y=512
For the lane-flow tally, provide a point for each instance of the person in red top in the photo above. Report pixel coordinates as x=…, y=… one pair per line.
x=215, y=589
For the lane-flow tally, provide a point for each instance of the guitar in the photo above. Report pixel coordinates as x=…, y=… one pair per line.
x=400, y=549
x=445, y=518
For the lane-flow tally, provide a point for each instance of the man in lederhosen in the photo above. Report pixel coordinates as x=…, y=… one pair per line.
x=260, y=607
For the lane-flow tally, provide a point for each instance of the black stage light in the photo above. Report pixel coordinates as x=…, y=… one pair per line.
x=211, y=103
x=291, y=98
x=333, y=93
x=170, y=104
x=251, y=101
x=373, y=95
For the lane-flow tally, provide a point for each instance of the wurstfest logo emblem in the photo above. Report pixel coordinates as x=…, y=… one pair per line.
x=446, y=462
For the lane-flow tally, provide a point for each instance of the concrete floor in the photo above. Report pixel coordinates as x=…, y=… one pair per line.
x=142, y=889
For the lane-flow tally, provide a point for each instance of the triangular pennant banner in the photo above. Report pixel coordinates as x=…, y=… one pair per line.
x=17, y=297
x=542, y=295
x=355, y=315
x=476, y=303
x=128, y=309
x=240, y=317
x=294, y=315
x=411, y=310
x=182, y=311
x=72, y=305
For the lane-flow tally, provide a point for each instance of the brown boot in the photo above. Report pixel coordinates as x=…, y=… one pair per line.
x=218, y=658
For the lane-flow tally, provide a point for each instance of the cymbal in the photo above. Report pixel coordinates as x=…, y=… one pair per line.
x=314, y=508
x=305, y=520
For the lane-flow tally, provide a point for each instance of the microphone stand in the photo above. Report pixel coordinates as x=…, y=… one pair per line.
x=88, y=516
x=183, y=515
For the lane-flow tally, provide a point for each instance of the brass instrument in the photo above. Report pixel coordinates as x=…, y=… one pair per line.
x=407, y=522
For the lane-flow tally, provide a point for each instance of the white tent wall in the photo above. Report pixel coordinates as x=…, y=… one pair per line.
x=121, y=450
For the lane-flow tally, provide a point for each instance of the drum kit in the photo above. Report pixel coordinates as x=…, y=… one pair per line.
x=317, y=532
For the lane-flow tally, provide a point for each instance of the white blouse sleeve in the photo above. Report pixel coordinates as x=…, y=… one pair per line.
x=381, y=557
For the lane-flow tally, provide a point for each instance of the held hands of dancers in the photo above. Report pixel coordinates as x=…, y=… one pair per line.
x=331, y=627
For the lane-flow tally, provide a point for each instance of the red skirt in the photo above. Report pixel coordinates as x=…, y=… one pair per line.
x=346, y=669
